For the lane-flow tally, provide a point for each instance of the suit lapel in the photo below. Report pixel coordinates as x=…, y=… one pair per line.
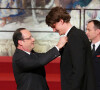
x=71, y=30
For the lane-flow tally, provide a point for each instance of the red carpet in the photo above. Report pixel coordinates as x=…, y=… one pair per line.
x=7, y=81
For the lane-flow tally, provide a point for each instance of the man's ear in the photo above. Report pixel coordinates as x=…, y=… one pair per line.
x=20, y=42
x=61, y=21
x=98, y=30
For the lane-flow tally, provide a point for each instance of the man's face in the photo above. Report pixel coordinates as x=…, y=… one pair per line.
x=91, y=31
x=28, y=40
x=58, y=27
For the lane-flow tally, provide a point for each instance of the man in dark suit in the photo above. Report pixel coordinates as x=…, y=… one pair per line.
x=28, y=66
x=93, y=33
x=76, y=64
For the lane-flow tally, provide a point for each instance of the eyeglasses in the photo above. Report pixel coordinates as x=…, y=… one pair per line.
x=28, y=38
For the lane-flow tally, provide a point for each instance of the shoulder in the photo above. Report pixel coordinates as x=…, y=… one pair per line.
x=19, y=54
x=77, y=36
x=75, y=32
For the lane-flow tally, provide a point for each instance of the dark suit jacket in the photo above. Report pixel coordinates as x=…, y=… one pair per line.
x=29, y=70
x=76, y=63
x=96, y=60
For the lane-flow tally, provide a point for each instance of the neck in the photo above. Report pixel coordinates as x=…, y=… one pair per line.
x=23, y=49
x=67, y=26
x=97, y=39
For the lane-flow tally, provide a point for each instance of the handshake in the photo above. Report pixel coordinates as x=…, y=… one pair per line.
x=62, y=41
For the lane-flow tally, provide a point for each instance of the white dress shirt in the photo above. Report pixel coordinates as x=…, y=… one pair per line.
x=67, y=31
x=96, y=45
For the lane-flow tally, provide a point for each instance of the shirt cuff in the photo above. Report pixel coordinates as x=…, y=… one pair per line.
x=57, y=48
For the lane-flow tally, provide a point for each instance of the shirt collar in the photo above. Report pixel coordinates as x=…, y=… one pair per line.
x=96, y=45
x=67, y=31
x=27, y=52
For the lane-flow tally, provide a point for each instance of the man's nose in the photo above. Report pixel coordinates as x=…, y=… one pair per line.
x=33, y=39
x=86, y=32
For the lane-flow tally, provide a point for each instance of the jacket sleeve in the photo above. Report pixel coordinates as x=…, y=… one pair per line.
x=35, y=60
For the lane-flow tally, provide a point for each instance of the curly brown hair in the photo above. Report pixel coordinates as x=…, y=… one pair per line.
x=56, y=14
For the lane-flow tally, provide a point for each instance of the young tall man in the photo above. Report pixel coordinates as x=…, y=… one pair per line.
x=76, y=64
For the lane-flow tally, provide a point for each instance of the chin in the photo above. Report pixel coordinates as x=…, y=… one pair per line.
x=59, y=34
x=32, y=47
x=89, y=38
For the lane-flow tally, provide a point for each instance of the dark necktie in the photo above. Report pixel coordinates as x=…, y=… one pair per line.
x=93, y=50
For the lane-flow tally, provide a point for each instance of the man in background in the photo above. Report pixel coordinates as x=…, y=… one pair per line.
x=93, y=33
x=76, y=64
x=28, y=66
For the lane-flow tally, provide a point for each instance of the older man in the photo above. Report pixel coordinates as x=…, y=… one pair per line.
x=28, y=66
